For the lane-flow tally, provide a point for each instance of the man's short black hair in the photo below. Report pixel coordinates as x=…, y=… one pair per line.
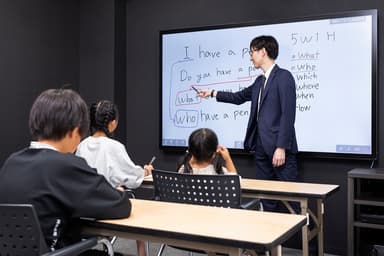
x=56, y=112
x=269, y=43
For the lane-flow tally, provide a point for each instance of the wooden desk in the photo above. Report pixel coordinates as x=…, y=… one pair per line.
x=298, y=192
x=290, y=191
x=201, y=227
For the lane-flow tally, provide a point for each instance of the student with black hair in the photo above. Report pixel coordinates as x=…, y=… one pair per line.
x=205, y=156
x=108, y=156
x=60, y=185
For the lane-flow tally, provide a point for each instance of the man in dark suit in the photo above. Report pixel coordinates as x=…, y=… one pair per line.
x=270, y=132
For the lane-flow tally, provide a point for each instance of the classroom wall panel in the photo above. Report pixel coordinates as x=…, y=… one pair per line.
x=38, y=50
x=102, y=44
x=96, y=49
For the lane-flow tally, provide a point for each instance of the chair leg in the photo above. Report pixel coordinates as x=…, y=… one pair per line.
x=162, y=247
x=261, y=207
x=247, y=252
x=107, y=245
x=141, y=249
x=113, y=239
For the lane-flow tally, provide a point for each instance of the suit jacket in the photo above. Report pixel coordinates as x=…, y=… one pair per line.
x=276, y=118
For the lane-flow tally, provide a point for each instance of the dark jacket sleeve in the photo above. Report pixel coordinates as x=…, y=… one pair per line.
x=235, y=97
x=90, y=194
x=287, y=95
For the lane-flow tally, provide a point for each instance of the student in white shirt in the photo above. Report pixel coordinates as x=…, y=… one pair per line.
x=109, y=156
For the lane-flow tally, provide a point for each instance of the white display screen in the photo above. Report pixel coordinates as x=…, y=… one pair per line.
x=332, y=58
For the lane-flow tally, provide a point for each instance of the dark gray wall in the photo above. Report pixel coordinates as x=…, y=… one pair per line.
x=50, y=43
x=102, y=55
x=38, y=50
x=96, y=49
x=144, y=21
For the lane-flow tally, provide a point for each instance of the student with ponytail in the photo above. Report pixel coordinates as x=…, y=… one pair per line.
x=205, y=156
x=107, y=155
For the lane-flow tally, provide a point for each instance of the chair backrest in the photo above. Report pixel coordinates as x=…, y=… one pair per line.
x=212, y=190
x=20, y=232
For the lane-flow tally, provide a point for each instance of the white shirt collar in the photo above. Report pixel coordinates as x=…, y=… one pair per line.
x=268, y=72
x=40, y=145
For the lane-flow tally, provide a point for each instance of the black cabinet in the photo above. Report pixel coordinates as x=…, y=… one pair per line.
x=365, y=210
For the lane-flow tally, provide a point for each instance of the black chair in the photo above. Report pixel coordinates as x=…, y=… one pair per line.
x=20, y=235
x=201, y=189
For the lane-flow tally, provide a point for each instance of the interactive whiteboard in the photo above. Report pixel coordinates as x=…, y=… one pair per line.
x=333, y=61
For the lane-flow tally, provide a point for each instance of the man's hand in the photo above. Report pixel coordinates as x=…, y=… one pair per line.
x=205, y=93
x=278, y=157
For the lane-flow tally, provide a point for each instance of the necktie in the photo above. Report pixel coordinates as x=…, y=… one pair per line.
x=260, y=94
x=261, y=88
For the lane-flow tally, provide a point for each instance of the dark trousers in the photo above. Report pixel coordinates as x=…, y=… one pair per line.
x=266, y=171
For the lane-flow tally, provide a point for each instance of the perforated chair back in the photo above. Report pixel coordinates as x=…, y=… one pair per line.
x=20, y=232
x=211, y=190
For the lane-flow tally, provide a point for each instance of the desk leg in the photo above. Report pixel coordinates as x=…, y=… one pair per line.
x=304, y=229
x=277, y=251
x=304, y=211
x=320, y=234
